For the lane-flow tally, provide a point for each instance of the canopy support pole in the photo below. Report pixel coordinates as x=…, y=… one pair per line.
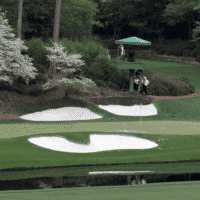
x=131, y=79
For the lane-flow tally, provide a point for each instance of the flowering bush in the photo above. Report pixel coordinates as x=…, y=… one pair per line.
x=71, y=60
x=12, y=62
x=80, y=85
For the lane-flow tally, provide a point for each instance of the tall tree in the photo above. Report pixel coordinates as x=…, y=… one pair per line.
x=144, y=15
x=179, y=11
x=155, y=23
x=56, y=32
x=19, y=24
x=77, y=18
x=196, y=32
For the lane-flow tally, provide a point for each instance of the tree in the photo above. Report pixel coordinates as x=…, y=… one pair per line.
x=56, y=31
x=144, y=15
x=179, y=11
x=77, y=19
x=86, y=19
x=12, y=63
x=116, y=13
x=19, y=24
x=196, y=32
x=155, y=22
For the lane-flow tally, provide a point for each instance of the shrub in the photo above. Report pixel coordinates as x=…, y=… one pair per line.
x=187, y=53
x=197, y=59
x=39, y=79
x=189, y=45
x=41, y=68
x=174, y=50
x=35, y=90
x=160, y=50
x=195, y=52
x=20, y=88
x=37, y=51
x=101, y=69
x=120, y=78
x=87, y=59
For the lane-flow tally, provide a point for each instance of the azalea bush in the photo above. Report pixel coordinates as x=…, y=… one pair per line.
x=13, y=63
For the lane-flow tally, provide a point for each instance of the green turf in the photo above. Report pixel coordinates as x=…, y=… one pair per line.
x=180, y=137
x=172, y=191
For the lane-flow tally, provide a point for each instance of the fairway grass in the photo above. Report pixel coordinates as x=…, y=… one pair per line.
x=164, y=191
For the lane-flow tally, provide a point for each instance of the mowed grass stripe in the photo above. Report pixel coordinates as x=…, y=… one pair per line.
x=150, y=127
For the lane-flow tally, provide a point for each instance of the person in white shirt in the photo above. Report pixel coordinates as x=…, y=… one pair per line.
x=122, y=52
x=141, y=81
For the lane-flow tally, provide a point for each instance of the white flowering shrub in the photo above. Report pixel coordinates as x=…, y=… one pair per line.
x=60, y=58
x=12, y=62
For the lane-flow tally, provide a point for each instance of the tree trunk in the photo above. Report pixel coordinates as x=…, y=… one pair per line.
x=19, y=24
x=52, y=69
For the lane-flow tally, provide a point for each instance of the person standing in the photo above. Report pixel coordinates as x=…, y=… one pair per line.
x=122, y=52
x=141, y=81
x=145, y=83
x=138, y=80
x=131, y=57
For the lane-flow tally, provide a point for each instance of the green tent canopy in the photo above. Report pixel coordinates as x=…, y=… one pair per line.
x=133, y=40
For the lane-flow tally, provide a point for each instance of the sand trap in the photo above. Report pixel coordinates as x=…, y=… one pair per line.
x=78, y=113
x=97, y=143
x=142, y=110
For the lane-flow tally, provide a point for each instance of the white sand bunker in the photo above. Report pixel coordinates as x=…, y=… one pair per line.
x=78, y=113
x=97, y=143
x=142, y=110
x=62, y=114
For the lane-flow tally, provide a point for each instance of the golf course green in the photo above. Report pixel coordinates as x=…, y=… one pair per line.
x=162, y=139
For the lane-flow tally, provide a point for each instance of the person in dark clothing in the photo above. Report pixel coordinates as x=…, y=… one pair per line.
x=138, y=79
x=131, y=57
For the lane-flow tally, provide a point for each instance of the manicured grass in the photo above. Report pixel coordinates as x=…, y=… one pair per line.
x=179, y=139
x=165, y=191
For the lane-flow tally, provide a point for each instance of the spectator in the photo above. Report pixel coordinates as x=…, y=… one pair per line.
x=131, y=57
x=122, y=52
x=141, y=81
x=145, y=83
x=138, y=81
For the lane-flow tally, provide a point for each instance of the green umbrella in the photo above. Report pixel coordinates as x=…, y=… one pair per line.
x=133, y=41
